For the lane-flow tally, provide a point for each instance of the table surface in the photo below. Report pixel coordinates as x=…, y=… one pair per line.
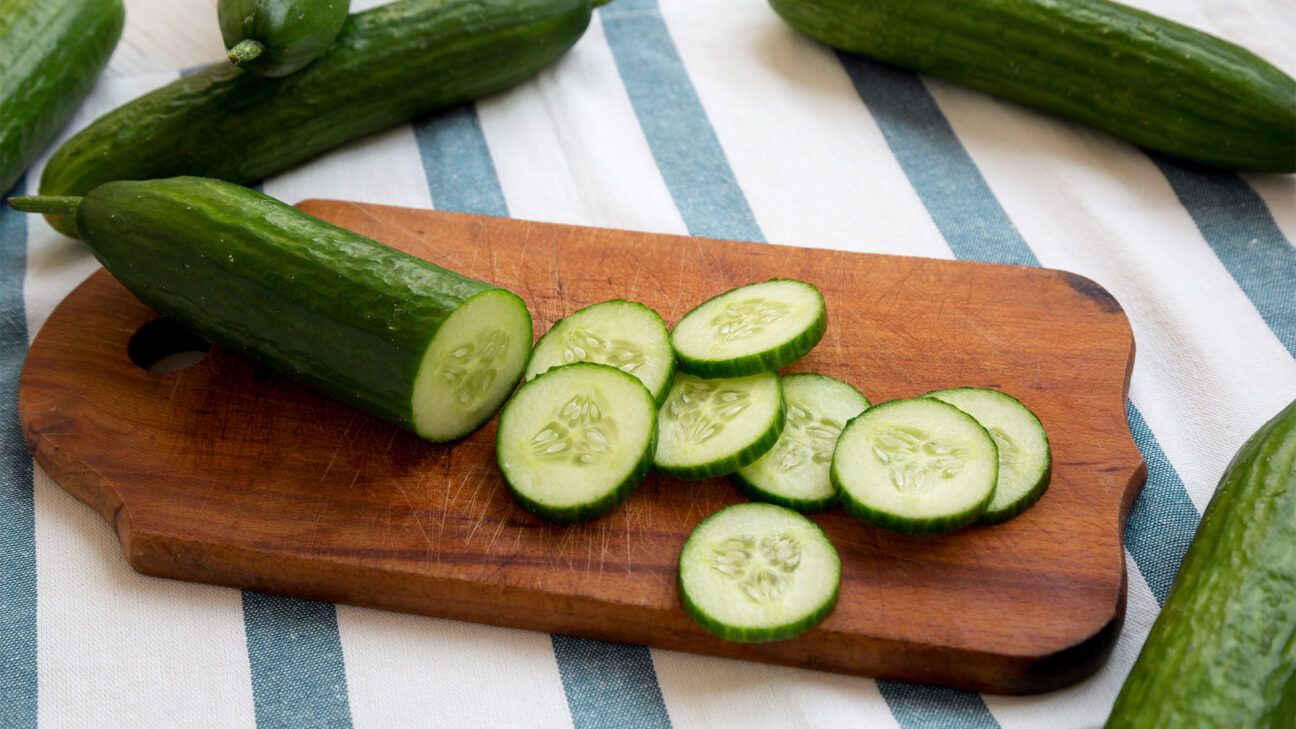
x=699, y=118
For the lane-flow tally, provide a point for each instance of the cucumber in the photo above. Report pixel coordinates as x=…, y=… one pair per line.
x=623, y=334
x=274, y=38
x=575, y=441
x=756, y=573
x=1161, y=85
x=387, y=65
x=394, y=335
x=794, y=473
x=917, y=466
x=1222, y=653
x=714, y=427
x=1025, y=461
x=51, y=53
x=750, y=329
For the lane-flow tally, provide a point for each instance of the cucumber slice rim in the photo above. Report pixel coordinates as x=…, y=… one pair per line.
x=747, y=353
x=708, y=415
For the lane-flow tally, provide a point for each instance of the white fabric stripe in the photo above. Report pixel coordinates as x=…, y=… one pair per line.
x=1279, y=193
x=382, y=168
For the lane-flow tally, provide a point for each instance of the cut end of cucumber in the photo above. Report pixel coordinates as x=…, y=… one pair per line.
x=472, y=364
x=753, y=328
x=714, y=427
x=755, y=573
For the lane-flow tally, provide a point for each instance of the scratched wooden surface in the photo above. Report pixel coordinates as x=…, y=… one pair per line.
x=226, y=474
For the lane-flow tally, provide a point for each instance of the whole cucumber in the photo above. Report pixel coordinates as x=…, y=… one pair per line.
x=1161, y=85
x=1222, y=653
x=277, y=37
x=387, y=65
x=51, y=53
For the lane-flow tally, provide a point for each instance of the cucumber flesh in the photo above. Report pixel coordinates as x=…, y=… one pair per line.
x=795, y=471
x=575, y=441
x=755, y=573
x=750, y=329
x=714, y=427
x=623, y=334
x=1025, y=462
x=918, y=466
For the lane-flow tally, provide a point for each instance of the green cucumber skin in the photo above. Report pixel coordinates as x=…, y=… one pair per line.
x=1223, y=650
x=387, y=66
x=756, y=493
x=766, y=361
x=330, y=308
x=746, y=456
x=1161, y=85
x=51, y=53
x=294, y=32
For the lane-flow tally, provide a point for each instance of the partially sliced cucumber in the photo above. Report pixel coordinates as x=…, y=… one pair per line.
x=918, y=466
x=750, y=329
x=758, y=572
x=623, y=334
x=714, y=427
x=795, y=471
x=1025, y=461
x=575, y=441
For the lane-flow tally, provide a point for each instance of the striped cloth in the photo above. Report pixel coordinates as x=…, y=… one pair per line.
x=709, y=118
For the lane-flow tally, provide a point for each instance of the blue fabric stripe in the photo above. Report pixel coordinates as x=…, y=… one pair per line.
x=17, y=506
x=917, y=705
x=688, y=153
x=1238, y=226
x=298, y=674
x=607, y=684
x=1162, y=520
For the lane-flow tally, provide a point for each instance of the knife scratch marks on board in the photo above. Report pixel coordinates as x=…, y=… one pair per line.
x=413, y=512
x=342, y=440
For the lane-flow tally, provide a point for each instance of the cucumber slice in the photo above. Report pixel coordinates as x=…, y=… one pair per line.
x=575, y=441
x=750, y=329
x=758, y=572
x=623, y=334
x=714, y=427
x=1025, y=461
x=918, y=466
x=795, y=471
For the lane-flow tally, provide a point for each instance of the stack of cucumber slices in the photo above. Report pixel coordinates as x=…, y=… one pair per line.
x=603, y=402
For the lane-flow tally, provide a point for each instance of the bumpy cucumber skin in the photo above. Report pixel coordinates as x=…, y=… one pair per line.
x=1036, y=492
x=757, y=635
x=729, y=464
x=294, y=32
x=1223, y=650
x=51, y=53
x=590, y=510
x=387, y=65
x=895, y=523
x=1161, y=85
x=339, y=312
x=766, y=361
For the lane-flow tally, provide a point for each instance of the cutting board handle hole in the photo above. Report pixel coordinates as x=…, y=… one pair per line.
x=165, y=345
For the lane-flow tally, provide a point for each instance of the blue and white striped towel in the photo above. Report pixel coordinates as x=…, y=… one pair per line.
x=710, y=118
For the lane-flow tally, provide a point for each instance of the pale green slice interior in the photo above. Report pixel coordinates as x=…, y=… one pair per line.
x=621, y=334
x=472, y=364
x=748, y=320
x=708, y=420
x=574, y=435
x=920, y=458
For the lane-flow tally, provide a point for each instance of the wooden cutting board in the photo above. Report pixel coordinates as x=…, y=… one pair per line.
x=227, y=474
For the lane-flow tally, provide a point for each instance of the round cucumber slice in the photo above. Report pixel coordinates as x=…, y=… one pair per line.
x=714, y=427
x=918, y=466
x=575, y=441
x=755, y=573
x=750, y=329
x=794, y=473
x=623, y=334
x=471, y=365
x=1025, y=461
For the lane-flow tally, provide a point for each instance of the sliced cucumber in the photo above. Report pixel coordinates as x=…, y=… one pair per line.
x=575, y=441
x=758, y=572
x=750, y=329
x=1025, y=461
x=918, y=466
x=795, y=471
x=714, y=427
x=623, y=334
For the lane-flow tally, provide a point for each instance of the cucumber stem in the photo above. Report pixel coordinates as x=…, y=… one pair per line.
x=65, y=205
x=244, y=51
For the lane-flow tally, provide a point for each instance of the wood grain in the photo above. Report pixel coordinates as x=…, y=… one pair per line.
x=226, y=474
